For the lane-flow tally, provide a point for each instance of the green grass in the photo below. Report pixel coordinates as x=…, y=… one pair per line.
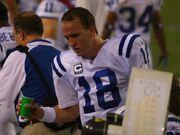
x=170, y=14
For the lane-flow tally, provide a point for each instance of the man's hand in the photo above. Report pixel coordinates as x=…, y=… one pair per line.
x=37, y=112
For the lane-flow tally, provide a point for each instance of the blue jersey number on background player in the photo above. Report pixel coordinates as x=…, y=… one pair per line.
x=49, y=7
x=143, y=21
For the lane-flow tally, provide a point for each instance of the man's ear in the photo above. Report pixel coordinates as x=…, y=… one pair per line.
x=93, y=31
x=22, y=35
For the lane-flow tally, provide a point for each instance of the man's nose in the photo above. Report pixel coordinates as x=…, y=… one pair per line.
x=71, y=42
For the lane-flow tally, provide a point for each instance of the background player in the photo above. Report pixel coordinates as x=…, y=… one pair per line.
x=135, y=16
x=51, y=13
x=8, y=121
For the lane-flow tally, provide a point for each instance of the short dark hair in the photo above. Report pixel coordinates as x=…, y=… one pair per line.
x=28, y=22
x=3, y=12
x=85, y=16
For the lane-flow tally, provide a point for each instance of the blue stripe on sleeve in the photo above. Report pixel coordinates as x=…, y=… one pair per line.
x=60, y=63
x=172, y=119
x=144, y=56
x=130, y=45
x=56, y=71
x=122, y=44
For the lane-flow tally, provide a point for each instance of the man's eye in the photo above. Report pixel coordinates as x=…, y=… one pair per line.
x=75, y=35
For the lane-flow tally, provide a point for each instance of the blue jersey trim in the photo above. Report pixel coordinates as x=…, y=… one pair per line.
x=130, y=45
x=171, y=119
x=56, y=71
x=60, y=63
x=122, y=44
x=40, y=40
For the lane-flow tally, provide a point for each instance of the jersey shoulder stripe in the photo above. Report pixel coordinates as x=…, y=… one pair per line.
x=126, y=44
x=56, y=71
x=58, y=66
x=130, y=44
x=173, y=119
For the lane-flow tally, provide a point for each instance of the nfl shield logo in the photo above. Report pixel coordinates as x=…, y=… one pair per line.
x=78, y=68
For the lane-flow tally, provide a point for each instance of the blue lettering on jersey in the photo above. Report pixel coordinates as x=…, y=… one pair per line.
x=6, y=36
x=143, y=21
x=102, y=89
x=49, y=7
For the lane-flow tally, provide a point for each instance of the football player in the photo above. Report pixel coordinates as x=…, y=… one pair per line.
x=92, y=78
x=135, y=16
x=51, y=12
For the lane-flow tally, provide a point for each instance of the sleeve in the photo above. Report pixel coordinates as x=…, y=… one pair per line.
x=134, y=48
x=12, y=76
x=66, y=95
x=139, y=56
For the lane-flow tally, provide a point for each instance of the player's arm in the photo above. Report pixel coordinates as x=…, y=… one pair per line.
x=66, y=115
x=50, y=28
x=109, y=25
x=56, y=114
x=160, y=37
x=139, y=56
x=67, y=109
x=12, y=8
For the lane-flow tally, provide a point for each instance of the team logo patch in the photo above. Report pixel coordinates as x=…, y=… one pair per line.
x=78, y=68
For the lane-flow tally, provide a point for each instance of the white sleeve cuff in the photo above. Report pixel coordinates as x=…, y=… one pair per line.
x=49, y=115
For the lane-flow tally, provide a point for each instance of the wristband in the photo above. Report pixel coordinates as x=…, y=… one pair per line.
x=49, y=115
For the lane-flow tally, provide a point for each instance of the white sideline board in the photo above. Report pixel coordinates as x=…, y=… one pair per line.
x=147, y=102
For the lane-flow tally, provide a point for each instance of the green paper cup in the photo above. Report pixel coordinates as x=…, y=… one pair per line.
x=25, y=108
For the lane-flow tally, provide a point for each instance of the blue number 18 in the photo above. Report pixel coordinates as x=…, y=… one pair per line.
x=101, y=90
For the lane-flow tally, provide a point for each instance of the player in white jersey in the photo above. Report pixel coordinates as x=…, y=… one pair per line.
x=92, y=78
x=51, y=11
x=6, y=38
x=135, y=16
x=8, y=121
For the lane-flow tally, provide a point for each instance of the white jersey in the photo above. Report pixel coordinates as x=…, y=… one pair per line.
x=54, y=9
x=8, y=121
x=6, y=41
x=99, y=85
x=97, y=8
x=134, y=16
x=173, y=125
